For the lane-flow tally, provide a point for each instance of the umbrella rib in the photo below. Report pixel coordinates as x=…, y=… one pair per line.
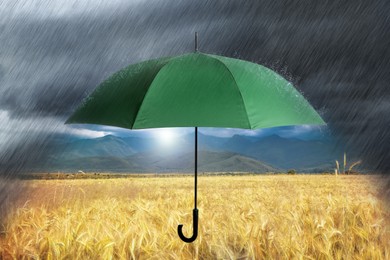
x=146, y=93
x=238, y=89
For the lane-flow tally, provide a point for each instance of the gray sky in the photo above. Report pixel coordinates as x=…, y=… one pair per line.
x=53, y=53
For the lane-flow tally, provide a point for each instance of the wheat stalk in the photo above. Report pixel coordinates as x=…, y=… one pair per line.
x=345, y=162
x=353, y=165
x=242, y=217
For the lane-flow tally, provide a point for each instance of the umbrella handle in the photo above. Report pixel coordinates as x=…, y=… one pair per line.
x=195, y=228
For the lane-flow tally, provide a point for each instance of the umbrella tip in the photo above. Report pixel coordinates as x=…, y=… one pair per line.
x=196, y=41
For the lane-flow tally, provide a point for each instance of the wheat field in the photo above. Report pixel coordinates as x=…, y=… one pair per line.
x=241, y=217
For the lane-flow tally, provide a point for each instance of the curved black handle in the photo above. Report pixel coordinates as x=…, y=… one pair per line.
x=195, y=228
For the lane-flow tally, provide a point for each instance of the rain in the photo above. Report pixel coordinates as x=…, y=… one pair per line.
x=54, y=53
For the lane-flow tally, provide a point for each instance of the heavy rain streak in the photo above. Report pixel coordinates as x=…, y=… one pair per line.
x=54, y=53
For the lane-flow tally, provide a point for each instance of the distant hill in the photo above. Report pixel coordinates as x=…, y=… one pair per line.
x=290, y=153
x=107, y=146
x=151, y=162
x=238, y=153
x=283, y=153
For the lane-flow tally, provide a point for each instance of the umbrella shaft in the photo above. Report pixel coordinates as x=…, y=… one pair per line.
x=196, y=164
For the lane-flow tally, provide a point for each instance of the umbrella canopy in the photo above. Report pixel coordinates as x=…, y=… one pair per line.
x=196, y=90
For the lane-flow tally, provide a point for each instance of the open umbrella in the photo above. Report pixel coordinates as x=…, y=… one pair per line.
x=195, y=90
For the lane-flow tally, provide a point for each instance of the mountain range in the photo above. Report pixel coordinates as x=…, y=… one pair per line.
x=216, y=154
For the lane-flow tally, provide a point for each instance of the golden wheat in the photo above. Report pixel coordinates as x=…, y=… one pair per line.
x=241, y=217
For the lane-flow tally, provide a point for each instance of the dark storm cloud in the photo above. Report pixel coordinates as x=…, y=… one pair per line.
x=336, y=53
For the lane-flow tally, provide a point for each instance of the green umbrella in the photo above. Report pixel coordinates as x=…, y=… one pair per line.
x=196, y=90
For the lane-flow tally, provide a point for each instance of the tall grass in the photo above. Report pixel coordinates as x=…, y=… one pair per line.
x=353, y=164
x=241, y=217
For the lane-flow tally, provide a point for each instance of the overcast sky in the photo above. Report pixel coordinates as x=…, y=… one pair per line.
x=53, y=53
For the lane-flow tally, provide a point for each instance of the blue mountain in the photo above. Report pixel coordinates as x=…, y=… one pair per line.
x=238, y=153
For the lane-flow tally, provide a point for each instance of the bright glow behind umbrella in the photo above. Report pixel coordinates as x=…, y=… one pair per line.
x=165, y=136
